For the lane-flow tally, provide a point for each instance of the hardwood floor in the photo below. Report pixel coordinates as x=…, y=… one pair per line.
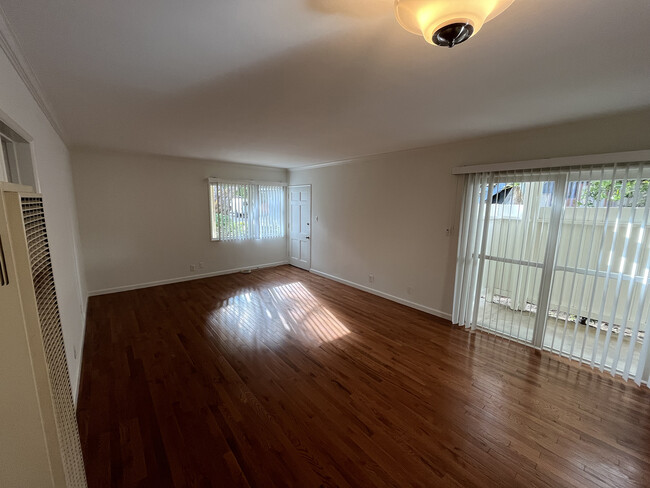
x=284, y=378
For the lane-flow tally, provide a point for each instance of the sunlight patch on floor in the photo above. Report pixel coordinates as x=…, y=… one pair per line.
x=277, y=314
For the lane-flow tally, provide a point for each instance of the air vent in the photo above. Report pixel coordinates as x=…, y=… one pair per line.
x=50, y=321
x=4, y=275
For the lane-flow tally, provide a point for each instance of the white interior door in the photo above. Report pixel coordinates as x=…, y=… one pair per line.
x=300, y=226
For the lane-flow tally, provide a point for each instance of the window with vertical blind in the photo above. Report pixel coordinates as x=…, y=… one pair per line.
x=15, y=158
x=246, y=210
x=559, y=259
x=5, y=167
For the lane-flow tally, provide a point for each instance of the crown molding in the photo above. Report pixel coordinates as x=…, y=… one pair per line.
x=9, y=44
x=562, y=162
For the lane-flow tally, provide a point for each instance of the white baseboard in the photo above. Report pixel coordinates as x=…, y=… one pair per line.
x=417, y=306
x=183, y=278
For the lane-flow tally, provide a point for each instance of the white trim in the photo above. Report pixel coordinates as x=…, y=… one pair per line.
x=587, y=160
x=334, y=163
x=14, y=187
x=366, y=157
x=4, y=177
x=14, y=127
x=392, y=298
x=607, y=158
x=22, y=143
x=11, y=47
x=212, y=180
x=150, y=284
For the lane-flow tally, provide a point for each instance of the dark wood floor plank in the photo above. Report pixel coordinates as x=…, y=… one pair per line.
x=284, y=378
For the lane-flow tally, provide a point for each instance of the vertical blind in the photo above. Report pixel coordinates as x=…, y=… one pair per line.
x=271, y=211
x=559, y=259
x=246, y=210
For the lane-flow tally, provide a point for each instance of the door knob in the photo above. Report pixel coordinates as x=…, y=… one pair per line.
x=307, y=237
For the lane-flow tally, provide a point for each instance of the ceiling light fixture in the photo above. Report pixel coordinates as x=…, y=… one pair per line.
x=447, y=22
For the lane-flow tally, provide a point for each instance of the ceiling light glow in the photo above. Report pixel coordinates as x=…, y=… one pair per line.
x=447, y=22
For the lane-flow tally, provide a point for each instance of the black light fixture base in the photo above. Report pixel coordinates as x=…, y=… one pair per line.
x=452, y=34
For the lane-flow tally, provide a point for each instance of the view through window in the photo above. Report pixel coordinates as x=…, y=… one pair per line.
x=243, y=210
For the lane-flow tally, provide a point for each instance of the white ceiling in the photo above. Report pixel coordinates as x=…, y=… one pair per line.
x=293, y=82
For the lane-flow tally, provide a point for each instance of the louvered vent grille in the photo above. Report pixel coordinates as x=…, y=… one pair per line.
x=4, y=274
x=48, y=312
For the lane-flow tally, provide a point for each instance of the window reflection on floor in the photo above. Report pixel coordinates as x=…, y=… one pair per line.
x=275, y=315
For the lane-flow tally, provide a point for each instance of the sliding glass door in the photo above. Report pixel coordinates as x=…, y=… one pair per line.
x=599, y=305
x=518, y=240
x=559, y=259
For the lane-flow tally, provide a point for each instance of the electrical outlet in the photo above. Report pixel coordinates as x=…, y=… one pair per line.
x=192, y=267
x=371, y=278
x=201, y=265
x=409, y=290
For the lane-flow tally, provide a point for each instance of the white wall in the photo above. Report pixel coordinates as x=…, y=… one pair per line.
x=19, y=110
x=145, y=219
x=388, y=214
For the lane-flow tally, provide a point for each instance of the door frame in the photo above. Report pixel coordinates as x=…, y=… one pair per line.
x=311, y=233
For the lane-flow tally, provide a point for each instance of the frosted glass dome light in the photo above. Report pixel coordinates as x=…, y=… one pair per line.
x=447, y=22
